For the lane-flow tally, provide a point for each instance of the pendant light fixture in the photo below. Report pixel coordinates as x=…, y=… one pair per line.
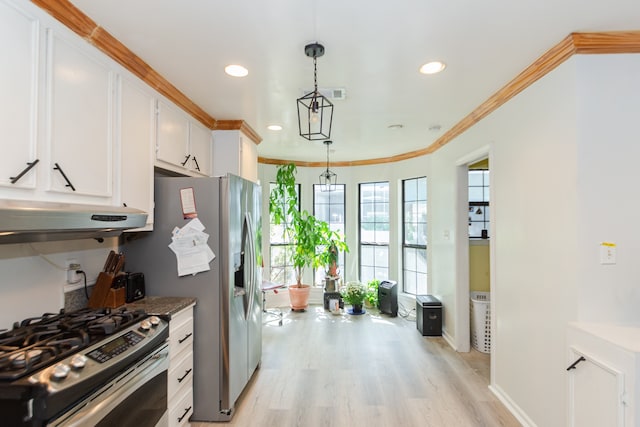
x=327, y=178
x=315, y=111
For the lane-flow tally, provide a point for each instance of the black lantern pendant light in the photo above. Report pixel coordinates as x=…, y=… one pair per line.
x=327, y=178
x=315, y=111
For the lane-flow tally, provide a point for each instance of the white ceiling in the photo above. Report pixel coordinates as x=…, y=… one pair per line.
x=373, y=49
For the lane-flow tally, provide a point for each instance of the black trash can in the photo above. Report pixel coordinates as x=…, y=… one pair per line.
x=429, y=315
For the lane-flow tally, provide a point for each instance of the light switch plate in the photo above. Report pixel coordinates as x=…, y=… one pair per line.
x=607, y=253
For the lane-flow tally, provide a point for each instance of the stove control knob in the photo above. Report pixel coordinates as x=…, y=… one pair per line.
x=155, y=321
x=145, y=325
x=60, y=372
x=78, y=361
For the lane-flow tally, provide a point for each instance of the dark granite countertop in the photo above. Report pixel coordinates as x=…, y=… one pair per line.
x=161, y=306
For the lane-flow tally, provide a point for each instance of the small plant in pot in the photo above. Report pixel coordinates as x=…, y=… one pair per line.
x=354, y=293
x=372, y=293
x=305, y=232
x=329, y=258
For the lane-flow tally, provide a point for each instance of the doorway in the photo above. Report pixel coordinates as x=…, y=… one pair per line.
x=466, y=248
x=479, y=235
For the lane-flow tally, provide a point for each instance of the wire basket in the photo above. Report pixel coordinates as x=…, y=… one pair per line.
x=480, y=310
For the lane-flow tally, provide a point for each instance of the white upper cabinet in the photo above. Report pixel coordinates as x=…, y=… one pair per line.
x=200, y=141
x=19, y=41
x=183, y=145
x=137, y=136
x=234, y=152
x=79, y=132
x=172, y=146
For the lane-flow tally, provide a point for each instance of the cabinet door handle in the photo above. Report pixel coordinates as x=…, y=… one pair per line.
x=180, y=341
x=30, y=165
x=196, y=162
x=59, y=169
x=574, y=364
x=186, y=411
x=187, y=372
x=186, y=159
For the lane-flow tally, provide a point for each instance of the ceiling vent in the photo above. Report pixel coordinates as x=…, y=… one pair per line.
x=331, y=93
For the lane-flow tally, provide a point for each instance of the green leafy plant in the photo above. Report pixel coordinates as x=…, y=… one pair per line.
x=353, y=293
x=372, y=292
x=329, y=256
x=305, y=232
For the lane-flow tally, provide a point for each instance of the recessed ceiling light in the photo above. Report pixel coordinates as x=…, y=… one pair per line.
x=396, y=126
x=236, y=70
x=432, y=67
x=274, y=127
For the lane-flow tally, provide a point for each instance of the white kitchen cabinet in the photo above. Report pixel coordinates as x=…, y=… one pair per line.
x=603, y=382
x=137, y=144
x=172, y=145
x=79, y=112
x=180, y=377
x=182, y=144
x=200, y=142
x=19, y=44
x=234, y=152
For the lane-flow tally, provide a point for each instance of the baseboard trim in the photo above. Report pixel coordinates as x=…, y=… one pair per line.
x=449, y=339
x=511, y=406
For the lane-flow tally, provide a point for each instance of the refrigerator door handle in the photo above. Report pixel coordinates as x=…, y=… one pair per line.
x=249, y=264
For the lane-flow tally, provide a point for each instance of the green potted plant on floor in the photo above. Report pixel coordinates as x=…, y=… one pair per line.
x=305, y=232
x=372, y=293
x=354, y=293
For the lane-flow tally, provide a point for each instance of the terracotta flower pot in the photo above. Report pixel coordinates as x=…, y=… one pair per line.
x=299, y=296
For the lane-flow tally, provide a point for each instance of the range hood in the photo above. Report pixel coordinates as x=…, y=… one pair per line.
x=32, y=221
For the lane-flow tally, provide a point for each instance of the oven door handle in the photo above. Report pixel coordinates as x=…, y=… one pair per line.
x=95, y=407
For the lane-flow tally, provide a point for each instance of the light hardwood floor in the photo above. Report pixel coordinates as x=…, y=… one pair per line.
x=320, y=369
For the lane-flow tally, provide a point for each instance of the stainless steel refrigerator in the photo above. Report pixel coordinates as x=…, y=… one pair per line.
x=228, y=316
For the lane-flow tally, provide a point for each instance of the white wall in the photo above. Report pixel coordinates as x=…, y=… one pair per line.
x=533, y=183
x=34, y=277
x=609, y=187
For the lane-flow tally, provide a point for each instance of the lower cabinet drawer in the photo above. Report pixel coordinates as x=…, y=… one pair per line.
x=181, y=336
x=181, y=407
x=180, y=373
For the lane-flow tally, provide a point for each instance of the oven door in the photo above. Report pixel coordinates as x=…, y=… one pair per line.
x=137, y=397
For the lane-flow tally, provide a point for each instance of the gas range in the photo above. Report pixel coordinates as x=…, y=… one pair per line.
x=51, y=363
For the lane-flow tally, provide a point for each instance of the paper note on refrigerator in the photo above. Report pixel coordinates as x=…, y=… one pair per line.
x=189, y=243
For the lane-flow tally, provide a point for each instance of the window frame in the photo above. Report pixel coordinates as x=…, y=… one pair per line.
x=319, y=274
x=287, y=268
x=374, y=245
x=416, y=246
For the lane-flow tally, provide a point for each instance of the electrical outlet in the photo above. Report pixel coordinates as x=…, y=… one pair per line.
x=72, y=276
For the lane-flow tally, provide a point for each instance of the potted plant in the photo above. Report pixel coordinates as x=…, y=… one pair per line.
x=354, y=293
x=305, y=232
x=329, y=258
x=372, y=293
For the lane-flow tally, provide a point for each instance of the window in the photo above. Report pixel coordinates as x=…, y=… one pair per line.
x=374, y=231
x=328, y=206
x=414, y=232
x=478, y=203
x=281, y=251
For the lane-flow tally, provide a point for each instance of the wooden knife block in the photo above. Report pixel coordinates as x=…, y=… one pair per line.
x=101, y=290
x=115, y=298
